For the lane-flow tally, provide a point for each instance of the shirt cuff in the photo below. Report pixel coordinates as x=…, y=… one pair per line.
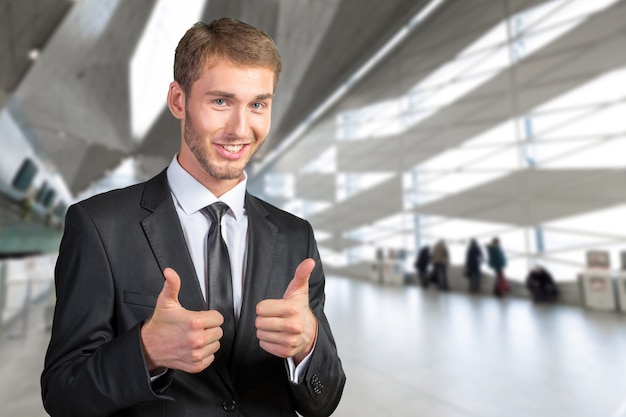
x=158, y=372
x=296, y=373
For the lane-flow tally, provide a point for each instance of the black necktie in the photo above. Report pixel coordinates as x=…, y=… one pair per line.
x=219, y=280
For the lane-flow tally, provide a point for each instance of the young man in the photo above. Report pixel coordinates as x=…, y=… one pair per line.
x=132, y=334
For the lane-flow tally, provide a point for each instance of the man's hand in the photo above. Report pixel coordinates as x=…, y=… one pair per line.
x=177, y=338
x=287, y=327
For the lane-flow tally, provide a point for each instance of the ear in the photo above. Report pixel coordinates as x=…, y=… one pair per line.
x=176, y=100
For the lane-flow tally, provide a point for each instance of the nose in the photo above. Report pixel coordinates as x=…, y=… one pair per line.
x=237, y=123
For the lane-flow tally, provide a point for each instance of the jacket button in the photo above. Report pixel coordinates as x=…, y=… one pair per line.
x=317, y=385
x=229, y=405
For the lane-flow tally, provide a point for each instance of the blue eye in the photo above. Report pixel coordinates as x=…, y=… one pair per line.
x=258, y=106
x=220, y=101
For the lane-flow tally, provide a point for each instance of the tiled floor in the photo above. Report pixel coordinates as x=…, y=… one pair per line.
x=22, y=349
x=414, y=352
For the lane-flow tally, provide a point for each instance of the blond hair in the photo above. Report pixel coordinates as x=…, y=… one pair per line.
x=204, y=44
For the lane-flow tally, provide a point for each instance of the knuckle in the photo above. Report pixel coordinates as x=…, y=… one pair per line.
x=291, y=310
x=294, y=327
x=196, y=357
x=196, y=341
x=195, y=323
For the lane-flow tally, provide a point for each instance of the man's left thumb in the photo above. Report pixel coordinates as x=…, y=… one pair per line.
x=300, y=282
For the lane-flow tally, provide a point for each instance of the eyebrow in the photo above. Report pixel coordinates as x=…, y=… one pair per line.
x=219, y=93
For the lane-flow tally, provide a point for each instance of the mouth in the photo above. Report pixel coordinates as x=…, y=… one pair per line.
x=233, y=148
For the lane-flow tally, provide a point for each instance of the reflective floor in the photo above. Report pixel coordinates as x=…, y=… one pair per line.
x=414, y=352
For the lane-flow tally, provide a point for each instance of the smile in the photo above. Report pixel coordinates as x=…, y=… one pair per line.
x=233, y=148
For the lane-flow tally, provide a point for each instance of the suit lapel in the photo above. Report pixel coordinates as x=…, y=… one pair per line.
x=262, y=235
x=165, y=236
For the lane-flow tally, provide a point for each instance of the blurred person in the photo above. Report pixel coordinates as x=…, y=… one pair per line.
x=440, y=259
x=473, y=261
x=135, y=332
x=541, y=284
x=422, y=262
x=497, y=262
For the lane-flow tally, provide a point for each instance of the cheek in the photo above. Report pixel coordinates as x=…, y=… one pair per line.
x=209, y=123
x=261, y=127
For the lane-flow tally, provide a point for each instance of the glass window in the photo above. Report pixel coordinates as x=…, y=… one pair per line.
x=151, y=64
x=25, y=175
x=579, y=129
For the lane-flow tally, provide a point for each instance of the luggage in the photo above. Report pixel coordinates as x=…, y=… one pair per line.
x=502, y=285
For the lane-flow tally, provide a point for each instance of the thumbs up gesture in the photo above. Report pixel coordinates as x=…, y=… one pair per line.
x=287, y=327
x=177, y=338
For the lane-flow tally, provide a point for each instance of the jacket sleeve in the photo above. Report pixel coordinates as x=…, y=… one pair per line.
x=90, y=369
x=322, y=386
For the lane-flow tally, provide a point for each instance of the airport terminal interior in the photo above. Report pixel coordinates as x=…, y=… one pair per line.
x=397, y=125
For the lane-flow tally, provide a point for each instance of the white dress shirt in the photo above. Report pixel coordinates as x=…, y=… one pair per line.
x=190, y=197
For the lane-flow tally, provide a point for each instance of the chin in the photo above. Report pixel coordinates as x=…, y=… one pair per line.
x=224, y=173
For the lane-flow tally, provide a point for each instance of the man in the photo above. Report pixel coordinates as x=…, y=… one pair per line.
x=132, y=334
x=440, y=260
x=421, y=265
x=473, y=262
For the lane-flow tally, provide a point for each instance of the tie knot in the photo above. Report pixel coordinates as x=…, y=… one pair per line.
x=216, y=211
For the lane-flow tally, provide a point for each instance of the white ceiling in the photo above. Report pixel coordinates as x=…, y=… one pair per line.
x=531, y=197
x=380, y=201
x=75, y=98
x=523, y=197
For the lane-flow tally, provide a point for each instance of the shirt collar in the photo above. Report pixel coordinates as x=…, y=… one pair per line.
x=193, y=196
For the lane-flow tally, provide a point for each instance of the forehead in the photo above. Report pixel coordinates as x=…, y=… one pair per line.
x=224, y=73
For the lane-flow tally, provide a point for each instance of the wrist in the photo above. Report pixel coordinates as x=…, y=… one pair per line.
x=299, y=357
x=144, y=332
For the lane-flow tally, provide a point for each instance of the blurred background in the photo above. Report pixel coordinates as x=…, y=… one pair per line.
x=396, y=124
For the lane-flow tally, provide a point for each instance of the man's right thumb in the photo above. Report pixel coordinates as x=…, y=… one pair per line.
x=171, y=287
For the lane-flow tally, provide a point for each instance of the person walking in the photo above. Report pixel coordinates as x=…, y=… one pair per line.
x=421, y=265
x=440, y=260
x=473, y=261
x=497, y=262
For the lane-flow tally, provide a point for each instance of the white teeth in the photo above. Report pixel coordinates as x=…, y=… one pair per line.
x=233, y=148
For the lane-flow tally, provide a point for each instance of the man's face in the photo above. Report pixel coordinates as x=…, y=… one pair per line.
x=227, y=118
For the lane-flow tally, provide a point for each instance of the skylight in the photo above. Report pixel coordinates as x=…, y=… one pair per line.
x=151, y=67
x=480, y=62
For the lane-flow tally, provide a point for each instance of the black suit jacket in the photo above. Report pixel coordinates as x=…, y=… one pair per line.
x=108, y=277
